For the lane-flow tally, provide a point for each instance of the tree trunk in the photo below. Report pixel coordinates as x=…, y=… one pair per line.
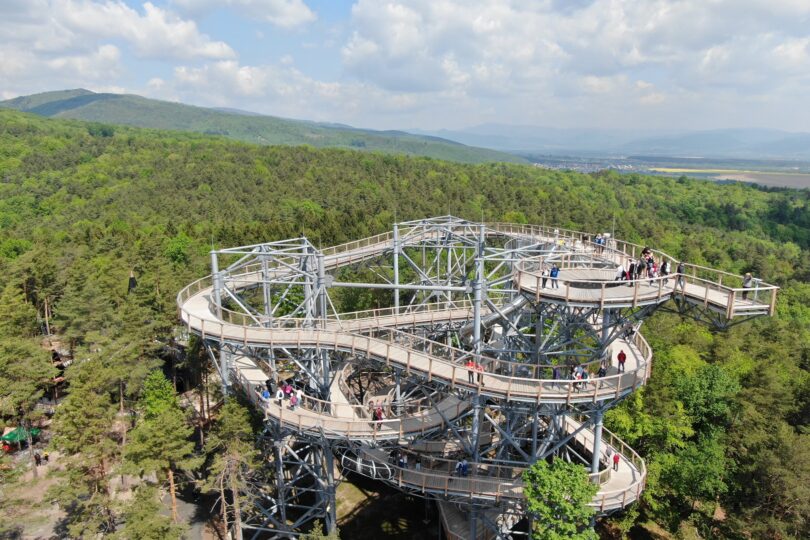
x=237, y=512
x=121, y=396
x=202, y=418
x=223, y=504
x=173, y=495
x=30, y=440
x=47, y=319
x=123, y=445
x=207, y=396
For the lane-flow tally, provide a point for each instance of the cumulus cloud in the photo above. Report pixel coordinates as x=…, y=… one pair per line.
x=580, y=57
x=283, y=13
x=50, y=44
x=440, y=63
x=81, y=24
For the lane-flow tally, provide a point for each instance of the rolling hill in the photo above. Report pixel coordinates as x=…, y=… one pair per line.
x=138, y=111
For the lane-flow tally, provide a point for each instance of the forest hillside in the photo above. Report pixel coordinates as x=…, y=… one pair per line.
x=132, y=110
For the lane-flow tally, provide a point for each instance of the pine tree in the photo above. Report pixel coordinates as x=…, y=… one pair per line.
x=83, y=433
x=317, y=533
x=234, y=455
x=160, y=442
x=25, y=372
x=143, y=520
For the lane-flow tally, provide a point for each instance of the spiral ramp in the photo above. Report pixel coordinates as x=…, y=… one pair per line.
x=520, y=404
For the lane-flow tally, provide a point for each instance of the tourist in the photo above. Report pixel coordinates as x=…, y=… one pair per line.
x=269, y=384
x=45, y=457
x=748, y=281
x=620, y=273
x=265, y=395
x=293, y=401
x=576, y=375
x=462, y=467
x=602, y=370
x=280, y=396
x=616, y=459
x=287, y=390
x=622, y=358
x=598, y=243
x=480, y=370
x=665, y=271
x=554, y=273
x=380, y=414
x=418, y=464
x=37, y=459
x=631, y=274
x=470, y=365
x=681, y=280
x=300, y=395
x=544, y=274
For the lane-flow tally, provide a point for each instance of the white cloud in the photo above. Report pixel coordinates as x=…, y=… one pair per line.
x=53, y=44
x=435, y=63
x=283, y=13
x=564, y=61
x=56, y=26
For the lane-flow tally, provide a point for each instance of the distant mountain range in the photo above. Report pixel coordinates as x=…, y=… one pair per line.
x=487, y=142
x=246, y=126
x=721, y=143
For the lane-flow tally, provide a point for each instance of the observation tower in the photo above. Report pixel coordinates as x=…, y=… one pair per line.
x=474, y=356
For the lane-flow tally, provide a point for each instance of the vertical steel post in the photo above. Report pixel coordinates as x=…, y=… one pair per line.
x=597, y=440
x=396, y=267
x=321, y=290
x=478, y=287
x=398, y=393
x=266, y=292
x=217, y=284
x=331, y=513
x=321, y=293
x=310, y=300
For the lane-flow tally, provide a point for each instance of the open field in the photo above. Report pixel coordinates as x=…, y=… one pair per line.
x=798, y=180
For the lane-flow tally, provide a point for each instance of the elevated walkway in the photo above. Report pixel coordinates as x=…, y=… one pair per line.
x=586, y=280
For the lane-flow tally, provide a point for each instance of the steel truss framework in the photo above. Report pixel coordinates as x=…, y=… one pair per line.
x=441, y=263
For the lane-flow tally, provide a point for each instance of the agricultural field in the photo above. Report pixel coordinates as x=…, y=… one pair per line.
x=796, y=180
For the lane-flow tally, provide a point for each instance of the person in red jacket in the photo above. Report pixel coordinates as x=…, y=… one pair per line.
x=616, y=460
x=622, y=358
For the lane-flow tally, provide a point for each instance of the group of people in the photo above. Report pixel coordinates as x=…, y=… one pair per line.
x=40, y=459
x=400, y=459
x=284, y=392
x=599, y=243
x=648, y=267
x=462, y=467
x=478, y=369
x=551, y=273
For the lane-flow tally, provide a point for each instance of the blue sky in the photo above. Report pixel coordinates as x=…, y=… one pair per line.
x=430, y=64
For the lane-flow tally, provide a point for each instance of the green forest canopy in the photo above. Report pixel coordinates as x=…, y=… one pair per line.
x=723, y=421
